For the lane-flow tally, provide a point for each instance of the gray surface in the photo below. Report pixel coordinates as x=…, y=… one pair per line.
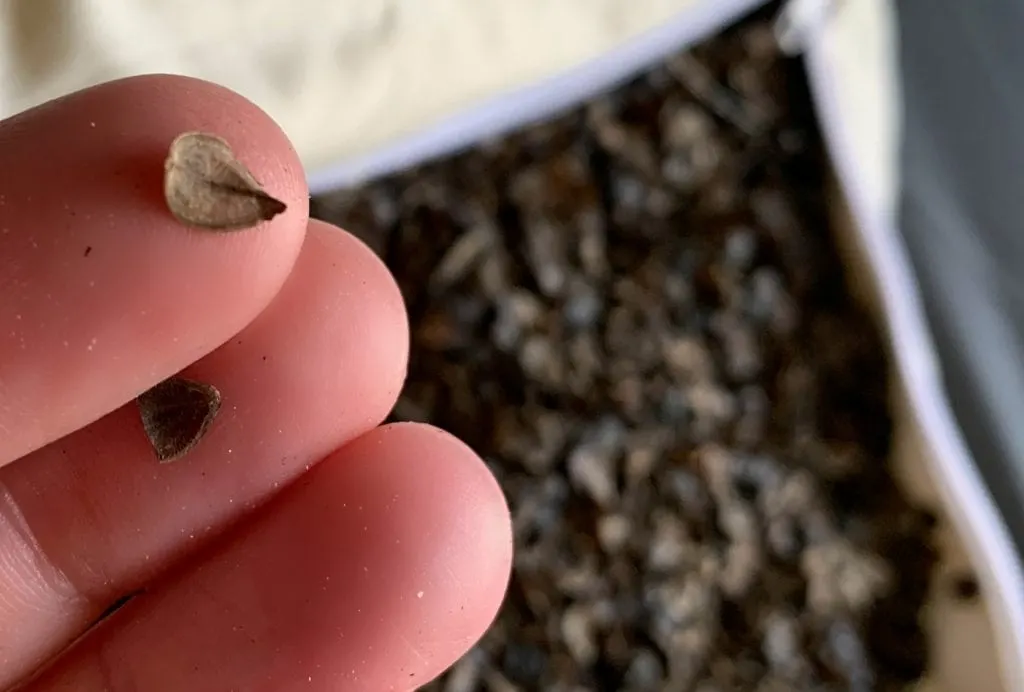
x=962, y=217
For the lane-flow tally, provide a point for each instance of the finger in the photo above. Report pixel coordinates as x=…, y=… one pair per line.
x=102, y=292
x=94, y=516
x=375, y=572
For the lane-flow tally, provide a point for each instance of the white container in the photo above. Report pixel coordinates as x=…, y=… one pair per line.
x=371, y=86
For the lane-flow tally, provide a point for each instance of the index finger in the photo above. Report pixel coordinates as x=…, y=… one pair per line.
x=103, y=292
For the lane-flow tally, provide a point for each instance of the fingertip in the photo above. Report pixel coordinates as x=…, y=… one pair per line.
x=117, y=135
x=106, y=292
x=377, y=333
x=427, y=552
x=457, y=491
x=443, y=538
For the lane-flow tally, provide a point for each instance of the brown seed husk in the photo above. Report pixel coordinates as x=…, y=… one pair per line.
x=176, y=414
x=206, y=186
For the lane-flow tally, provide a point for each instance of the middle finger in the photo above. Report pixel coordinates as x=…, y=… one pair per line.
x=94, y=516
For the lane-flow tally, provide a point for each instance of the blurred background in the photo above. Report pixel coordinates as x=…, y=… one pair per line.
x=636, y=288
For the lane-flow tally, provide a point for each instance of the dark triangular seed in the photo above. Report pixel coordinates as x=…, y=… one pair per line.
x=176, y=414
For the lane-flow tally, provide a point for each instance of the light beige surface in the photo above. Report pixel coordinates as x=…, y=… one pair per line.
x=860, y=41
x=962, y=642
x=342, y=77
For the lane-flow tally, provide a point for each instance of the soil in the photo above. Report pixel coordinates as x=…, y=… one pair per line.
x=635, y=312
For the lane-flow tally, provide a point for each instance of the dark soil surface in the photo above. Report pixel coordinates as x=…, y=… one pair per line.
x=636, y=314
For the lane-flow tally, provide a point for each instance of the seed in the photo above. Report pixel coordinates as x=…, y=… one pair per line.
x=176, y=414
x=206, y=186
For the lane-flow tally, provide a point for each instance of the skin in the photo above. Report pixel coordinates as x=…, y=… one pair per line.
x=300, y=545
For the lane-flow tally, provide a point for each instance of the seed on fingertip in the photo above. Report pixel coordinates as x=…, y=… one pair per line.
x=206, y=186
x=176, y=415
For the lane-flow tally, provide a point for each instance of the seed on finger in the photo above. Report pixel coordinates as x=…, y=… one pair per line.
x=206, y=186
x=176, y=415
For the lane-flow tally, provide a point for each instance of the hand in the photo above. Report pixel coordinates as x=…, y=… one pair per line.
x=298, y=546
